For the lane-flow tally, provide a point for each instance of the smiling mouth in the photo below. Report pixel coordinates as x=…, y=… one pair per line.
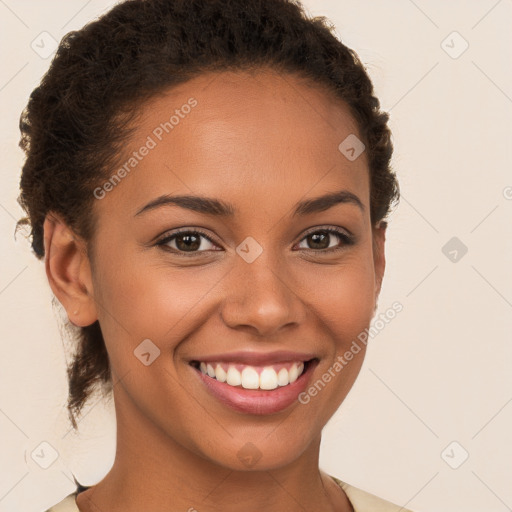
x=267, y=377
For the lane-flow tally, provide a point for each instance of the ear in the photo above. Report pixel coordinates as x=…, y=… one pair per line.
x=68, y=270
x=379, y=258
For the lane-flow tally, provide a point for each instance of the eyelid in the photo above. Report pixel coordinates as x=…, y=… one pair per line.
x=344, y=234
x=346, y=237
x=327, y=227
x=170, y=235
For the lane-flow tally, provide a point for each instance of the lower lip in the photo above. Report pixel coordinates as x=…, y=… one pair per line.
x=256, y=401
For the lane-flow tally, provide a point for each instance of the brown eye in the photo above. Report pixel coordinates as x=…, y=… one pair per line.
x=183, y=242
x=320, y=240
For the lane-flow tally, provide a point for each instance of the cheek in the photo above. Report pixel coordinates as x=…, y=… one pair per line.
x=342, y=297
x=138, y=300
x=341, y=300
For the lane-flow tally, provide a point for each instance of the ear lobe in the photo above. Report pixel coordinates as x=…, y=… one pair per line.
x=68, y=271
x=379, y=258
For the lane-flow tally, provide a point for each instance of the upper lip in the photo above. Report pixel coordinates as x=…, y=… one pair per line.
x=256, y=358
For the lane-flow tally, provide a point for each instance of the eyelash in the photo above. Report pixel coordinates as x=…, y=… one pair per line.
x=346, y=239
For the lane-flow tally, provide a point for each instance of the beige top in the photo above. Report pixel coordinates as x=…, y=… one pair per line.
x=361, y=501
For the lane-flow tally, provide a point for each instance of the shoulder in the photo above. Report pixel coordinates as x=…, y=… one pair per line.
x=365, y=502
x=68, y=504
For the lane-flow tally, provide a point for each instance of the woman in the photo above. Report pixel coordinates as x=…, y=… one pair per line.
x=207, y=182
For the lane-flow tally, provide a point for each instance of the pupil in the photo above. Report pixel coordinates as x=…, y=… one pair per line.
x=323, y=235
x=188, y=245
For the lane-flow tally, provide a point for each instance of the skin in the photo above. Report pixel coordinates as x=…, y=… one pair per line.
x=262, y=141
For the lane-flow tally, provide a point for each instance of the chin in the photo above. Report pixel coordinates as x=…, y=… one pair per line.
x=264, y=453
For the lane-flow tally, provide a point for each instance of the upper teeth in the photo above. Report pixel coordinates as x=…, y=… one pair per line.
x=253, y=377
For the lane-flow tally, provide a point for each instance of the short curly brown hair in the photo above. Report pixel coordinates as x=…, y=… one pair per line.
x=75, y=122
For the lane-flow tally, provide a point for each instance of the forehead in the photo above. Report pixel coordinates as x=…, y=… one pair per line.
x=243, y=135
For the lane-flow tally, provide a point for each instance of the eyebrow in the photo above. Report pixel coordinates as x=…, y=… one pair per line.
x=217, y=207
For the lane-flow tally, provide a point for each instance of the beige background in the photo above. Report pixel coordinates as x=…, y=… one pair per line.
x=438, y=373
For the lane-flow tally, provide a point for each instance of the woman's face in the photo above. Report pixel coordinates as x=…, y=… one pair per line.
x=259, y=288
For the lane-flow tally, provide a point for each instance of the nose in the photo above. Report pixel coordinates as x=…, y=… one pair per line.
x=262, y=297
